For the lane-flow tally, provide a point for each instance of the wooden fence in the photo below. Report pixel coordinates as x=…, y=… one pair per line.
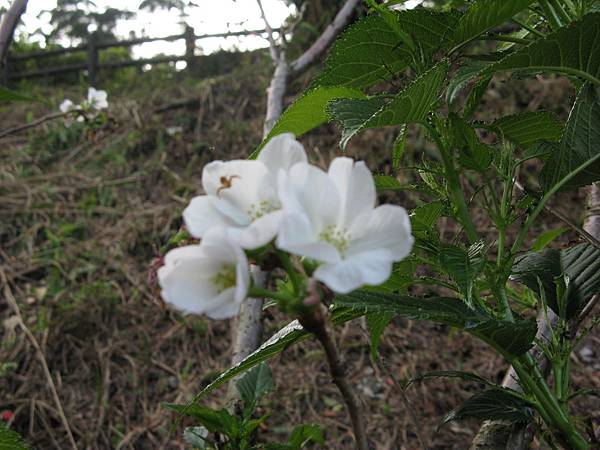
x=93, y=48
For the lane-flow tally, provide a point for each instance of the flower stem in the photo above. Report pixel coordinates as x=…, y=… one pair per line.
x=258, y=292
x=315, y=323
x=289, y=268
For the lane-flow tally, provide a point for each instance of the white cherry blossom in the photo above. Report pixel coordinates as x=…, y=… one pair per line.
x=242, y=195
x=331, y=217
x=67, y=106
x=210, y=278
x=96, y=99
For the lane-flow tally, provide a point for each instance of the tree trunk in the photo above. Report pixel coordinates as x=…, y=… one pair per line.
x=9, y=24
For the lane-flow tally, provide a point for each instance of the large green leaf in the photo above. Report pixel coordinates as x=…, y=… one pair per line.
x=493, y=404
x=574, y=49
x=527, y=128
x=484, y=15
x=411, y=105
x=579, y=145
x=370, y=51
x=307, y=112
x=509, y=338
x=581, y=264
x=214, y=420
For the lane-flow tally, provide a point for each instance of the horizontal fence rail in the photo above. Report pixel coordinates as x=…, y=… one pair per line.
x=93, y=64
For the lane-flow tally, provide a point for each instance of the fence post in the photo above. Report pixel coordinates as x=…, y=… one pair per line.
x=190, y=48
x=92, y=60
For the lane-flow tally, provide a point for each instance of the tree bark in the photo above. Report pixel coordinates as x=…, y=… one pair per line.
x=499, y=435
x=9, y=24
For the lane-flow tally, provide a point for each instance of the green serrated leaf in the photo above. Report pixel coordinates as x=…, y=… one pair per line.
x=412, y=105
x=388, y=183
x=473, y=154
x=579, y=144
x=465, y=75
x=463, y=266
x=466, y=376
x=254, y=385
x=509, y=338
x=528, y=128
x=370, y=51
x=493, y=404
x=376, y=324
x=572, y=50
x=424, y=217
x=475, y=96
x=483, y=15
x=11, y=440
x=581, y=264
x=307, y=112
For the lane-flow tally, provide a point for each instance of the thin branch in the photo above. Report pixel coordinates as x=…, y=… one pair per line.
x=272, y=45
x=317, y=325
x=311, y=55
x=14, y=305
x=35, y=123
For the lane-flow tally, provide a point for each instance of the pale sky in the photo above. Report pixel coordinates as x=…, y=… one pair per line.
x=212, y=16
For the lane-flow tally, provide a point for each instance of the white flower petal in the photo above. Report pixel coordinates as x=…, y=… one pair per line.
x=181, y=283
x=260, y=232
x=225, y=306
x=307, y=190
x=201, y=215
x=241, y=186
x=386, y=227
x=369, y=268
x=297, y=235
x=66, y=106
x=282, y=152
x=355, y=186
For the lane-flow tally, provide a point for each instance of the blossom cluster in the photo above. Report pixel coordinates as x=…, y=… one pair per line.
x=280, y=200
x=96, y=101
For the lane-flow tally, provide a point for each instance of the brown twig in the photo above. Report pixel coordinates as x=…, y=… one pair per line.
x=316, y=324
x=13, y=303
x=35, y=123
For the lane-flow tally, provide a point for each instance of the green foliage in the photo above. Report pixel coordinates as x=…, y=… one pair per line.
x=577, y=151
x=411, y=105
x=510, y=338
x=493, y=404
x=11, y=440
x=376, y=324
x=572, y=50
x=578, y=266
x=463, y=266
x=528, y=128
x=484, y=15
x=254, y=385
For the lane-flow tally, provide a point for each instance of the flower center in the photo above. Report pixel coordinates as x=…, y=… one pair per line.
x=257, y=210
x=338, y=237
x=224, y=278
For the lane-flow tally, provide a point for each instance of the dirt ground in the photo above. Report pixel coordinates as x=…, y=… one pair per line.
x=82, y=217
